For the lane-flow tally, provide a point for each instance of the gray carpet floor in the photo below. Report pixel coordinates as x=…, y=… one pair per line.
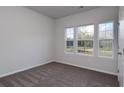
x=59, y=75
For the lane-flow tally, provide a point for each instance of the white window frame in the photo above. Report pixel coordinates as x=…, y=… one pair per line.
x=76, y=41
x=112, y=40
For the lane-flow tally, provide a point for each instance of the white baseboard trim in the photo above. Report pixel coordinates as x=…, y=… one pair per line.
x=20, y=70
x=27, y=68
x=94, y=69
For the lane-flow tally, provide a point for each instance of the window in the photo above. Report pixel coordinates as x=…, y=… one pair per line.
x=85, y=36
x=70, y=39
x=106, y=39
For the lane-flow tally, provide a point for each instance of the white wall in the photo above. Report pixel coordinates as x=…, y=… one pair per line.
x=94, y=16
x=29, y=39
x=25, y=39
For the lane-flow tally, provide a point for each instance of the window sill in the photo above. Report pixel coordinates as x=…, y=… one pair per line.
x=105, y=57
x=69, y=52
x=81, y=54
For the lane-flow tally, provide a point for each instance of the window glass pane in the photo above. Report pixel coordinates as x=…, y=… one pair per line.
x=109, y=34
x=102, y=35
x=105, y=48
x=101, y=27
x=85, y=39
x=70, y=33
x=69, y=44
x=85, y=32
x=69, y=39
x=109, y=26
x=81, y=32
x=105, y=39
x=85, y=46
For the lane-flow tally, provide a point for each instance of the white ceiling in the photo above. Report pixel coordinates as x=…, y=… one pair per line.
x=60, y=11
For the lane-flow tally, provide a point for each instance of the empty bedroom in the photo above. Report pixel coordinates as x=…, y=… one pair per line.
x=61, y=46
